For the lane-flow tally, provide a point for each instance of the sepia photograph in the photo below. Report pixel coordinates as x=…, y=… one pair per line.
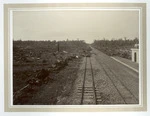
x=76, y=56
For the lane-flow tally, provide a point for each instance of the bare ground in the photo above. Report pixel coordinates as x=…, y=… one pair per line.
x=57, y=89
x=115, y=83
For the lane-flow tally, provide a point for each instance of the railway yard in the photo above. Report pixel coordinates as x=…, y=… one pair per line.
x=79, y=76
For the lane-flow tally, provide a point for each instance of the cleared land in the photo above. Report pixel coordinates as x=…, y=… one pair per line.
x=72, y=74
x=38, y=64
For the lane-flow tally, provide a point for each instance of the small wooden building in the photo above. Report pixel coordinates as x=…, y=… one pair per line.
x=135, y=53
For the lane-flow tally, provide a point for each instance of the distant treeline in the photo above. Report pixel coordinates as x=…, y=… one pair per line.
x=116, y=43
x=37, y=48
x=44, y=51
x=120, y=47
x=53, y=45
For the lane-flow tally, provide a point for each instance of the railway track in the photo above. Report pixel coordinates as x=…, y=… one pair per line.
x=87, y=90
x=125, y=93
x=88, y=93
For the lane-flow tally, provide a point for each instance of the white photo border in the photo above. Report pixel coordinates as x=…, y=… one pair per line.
x=10, y=58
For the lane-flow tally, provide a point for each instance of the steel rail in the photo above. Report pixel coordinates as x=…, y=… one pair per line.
x=94, y=90
x=112, y=82
x=122, y=84
x=83, y=81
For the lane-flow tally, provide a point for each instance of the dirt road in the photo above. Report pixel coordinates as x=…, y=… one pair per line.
x=102, y=80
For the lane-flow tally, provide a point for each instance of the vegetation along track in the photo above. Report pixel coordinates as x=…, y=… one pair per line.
x=87, y=89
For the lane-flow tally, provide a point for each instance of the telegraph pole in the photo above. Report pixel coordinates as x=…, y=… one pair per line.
x=58, y=46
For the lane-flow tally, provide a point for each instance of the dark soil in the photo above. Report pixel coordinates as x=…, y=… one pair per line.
x=56, y=91
x=40, y=68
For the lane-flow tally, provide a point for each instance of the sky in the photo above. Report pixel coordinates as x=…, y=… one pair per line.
x=73, y=25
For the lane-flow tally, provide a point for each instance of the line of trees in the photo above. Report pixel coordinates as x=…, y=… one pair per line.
x=44, y=49
x=116, y=43
x=120, y=47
